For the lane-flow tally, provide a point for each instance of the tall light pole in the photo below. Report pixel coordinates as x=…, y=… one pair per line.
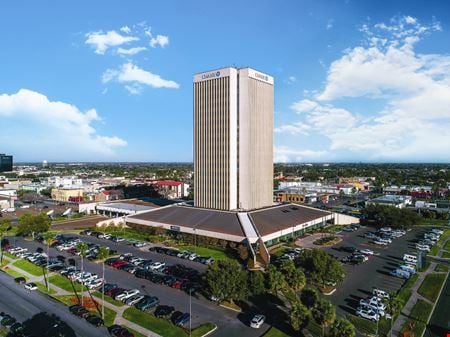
x=190, y=312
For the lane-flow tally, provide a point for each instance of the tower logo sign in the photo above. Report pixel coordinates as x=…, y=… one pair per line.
x=214, y=74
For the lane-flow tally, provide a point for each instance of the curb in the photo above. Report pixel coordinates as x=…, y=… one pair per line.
x=224, y=306
x=210, y=331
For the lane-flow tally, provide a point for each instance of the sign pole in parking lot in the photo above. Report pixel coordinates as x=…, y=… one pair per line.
x=190, y=312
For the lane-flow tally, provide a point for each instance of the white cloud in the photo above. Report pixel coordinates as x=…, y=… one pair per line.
x=304, y=105
x=294, y=129
x=102, y=41
x=160, y=40
x=412, y=89
x=34, y=124
x=125, y=29
x=130, y=51
x=330, y=24
x=133, y=77
x=284, y=154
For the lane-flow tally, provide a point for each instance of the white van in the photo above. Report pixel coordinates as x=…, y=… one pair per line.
x=410, y=269
x=410, y=258
x=400, y=273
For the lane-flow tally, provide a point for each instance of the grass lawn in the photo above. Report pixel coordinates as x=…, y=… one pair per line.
x=368, y=327
x=431, y=286
x=108, y=299
x=43, y=289
x=202, y=329
x=447, y=246
x=64, y=283
x=110, y=315
x=446, y=255
x=405, y=292
x=418, y=317
x=13, y=273
x=29, y=267
x=274, y=332
x=216, y=254
x=133, y=234
x=333, y=229
x=160, y=326
x=442, y=268
x=421, y=311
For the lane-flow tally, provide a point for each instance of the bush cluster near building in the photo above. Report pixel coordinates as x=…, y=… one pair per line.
x=383, y=216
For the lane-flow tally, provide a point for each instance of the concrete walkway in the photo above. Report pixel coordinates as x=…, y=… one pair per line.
x=404, y=314
x=61, y=292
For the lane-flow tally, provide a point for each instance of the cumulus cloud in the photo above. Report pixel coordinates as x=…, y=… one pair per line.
x=293, y=129
x=130, y=51
x=33, y=123
x=101, y=41
x=411, y=93
x=125, y=29
x=159, y=40
x=134, y=77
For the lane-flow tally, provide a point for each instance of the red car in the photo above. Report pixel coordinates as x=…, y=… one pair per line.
x=119, y=263
x=177, y=284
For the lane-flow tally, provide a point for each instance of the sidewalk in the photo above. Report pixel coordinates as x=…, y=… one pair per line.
x=61, y=292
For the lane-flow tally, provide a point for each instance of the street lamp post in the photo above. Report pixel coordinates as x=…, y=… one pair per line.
x=190, y=312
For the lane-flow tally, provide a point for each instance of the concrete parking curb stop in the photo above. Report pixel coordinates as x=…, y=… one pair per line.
x=210, y=331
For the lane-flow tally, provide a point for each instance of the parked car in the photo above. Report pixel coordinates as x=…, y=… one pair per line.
x=367, y=313
x=148, y=303
x=182, y=319
x=30, y=286
x=257, y=321
x=163, y=311
x=95, y=320
x=20, y=280
x=126, y=294
x=380, y=293
x=400, y=273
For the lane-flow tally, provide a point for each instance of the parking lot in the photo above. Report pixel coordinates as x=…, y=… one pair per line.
x=374, y=273
x=203, y=310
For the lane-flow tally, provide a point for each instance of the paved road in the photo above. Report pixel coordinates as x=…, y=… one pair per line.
x=22, y=305
x=374, y=273
x=229, y=323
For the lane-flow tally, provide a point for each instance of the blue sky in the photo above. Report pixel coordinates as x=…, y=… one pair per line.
x=112, y=80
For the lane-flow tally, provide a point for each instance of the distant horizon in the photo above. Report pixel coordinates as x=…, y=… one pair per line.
x=354, y=81
x=191, y=163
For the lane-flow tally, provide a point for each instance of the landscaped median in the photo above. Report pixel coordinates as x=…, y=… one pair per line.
x=28, y=267
x=64, y=283
x=161, y=326
x=431, y=286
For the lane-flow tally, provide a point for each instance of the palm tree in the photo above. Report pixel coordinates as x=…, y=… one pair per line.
x=82, y=248
x=102, y=255
x=342, y=328
x=4, y=227
x=394, y=305
x=299, y=316
x=276, y=279
x=324, y=314
x=48, y=237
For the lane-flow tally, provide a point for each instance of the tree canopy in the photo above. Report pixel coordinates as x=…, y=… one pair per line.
x=320, y=267
x=30, y=224
x=226, y=280
x=391, y=216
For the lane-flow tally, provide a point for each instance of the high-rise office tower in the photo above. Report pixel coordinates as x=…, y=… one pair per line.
x=233, y=141
x=6, y=163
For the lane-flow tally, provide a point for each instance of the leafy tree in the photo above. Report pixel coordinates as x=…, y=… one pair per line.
x=298, y=316
x=393, y=306
x=5, y=226
x=309, y=297
x=342, y=328
x=226, y=280
x=275, y=278
x=320, y=267
x=324, y=313
x=31, y=224
x=294, y=276
x=256, y=283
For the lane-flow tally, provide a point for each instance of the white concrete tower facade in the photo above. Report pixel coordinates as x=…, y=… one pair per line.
x=233, y=141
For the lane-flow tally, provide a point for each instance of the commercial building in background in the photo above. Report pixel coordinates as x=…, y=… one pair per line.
x=233, y=142
x=6, y=163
